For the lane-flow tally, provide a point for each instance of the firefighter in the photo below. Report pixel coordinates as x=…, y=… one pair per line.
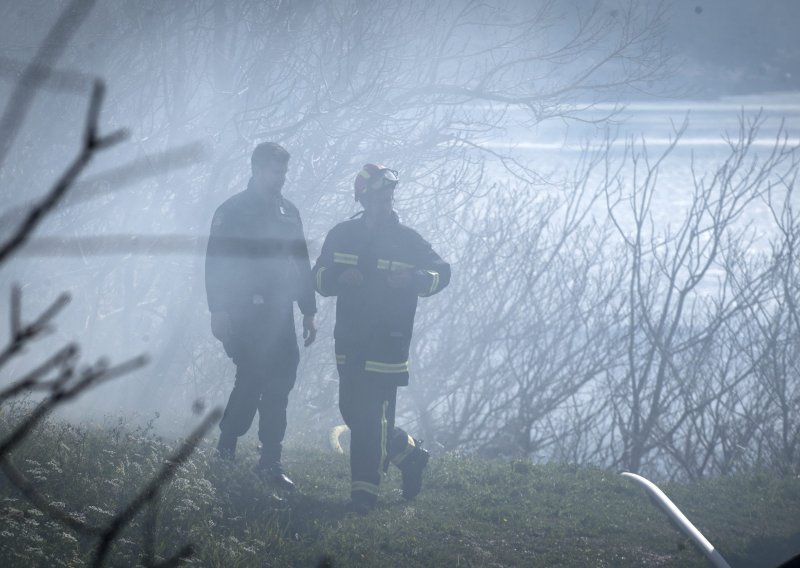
x=377, y=268
x=256, y=266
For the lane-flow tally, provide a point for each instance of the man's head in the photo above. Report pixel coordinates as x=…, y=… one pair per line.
x=374, y=188
x=269, y=163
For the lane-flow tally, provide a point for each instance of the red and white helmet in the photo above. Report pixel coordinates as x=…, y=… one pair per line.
x=374, y=177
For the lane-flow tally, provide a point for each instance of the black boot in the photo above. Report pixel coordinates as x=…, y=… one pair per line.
x=272, y=472
x=411, y=470
x=226, y=447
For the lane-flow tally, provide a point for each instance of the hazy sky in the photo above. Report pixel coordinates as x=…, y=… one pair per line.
x=737, y=46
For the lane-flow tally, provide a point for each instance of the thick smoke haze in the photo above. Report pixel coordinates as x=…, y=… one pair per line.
x=536, y=145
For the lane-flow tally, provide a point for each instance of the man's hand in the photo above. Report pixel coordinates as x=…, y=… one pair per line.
x=400, y=278
x=221, y=325
x=309, y=330
x=351, y=277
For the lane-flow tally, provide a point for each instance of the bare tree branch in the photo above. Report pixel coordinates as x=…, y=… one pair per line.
x=91, y=144
x=57, y=80
x=36, y=72
x=150, y=491
x=22, y=334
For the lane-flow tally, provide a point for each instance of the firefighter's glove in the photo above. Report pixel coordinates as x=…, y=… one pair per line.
x=400, y=278
x=221, y=326
x=309, y=330
x=351, y=277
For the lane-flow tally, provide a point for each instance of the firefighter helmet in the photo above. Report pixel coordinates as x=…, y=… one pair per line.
x=374, y=177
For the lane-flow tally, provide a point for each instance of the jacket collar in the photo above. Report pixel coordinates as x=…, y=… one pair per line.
x=274, y=200
x=393, y=220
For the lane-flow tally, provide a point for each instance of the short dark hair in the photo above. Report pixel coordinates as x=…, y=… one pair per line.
x=267, y=152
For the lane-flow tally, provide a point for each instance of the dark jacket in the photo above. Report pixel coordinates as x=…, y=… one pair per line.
x=374, y=322
x=257, y=259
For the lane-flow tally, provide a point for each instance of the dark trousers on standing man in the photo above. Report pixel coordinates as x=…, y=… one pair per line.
x=266, y=358
x=368, y=408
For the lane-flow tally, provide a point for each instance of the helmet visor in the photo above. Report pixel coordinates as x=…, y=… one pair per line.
x=386, y=180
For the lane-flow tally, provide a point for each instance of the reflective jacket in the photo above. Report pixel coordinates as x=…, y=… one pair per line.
x=374, y=321
x=257, y=259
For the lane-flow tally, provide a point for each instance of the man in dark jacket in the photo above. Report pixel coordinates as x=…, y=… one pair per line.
x=377, y=268
x=256, y=267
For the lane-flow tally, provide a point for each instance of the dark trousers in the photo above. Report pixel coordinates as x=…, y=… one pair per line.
x=368, y=409
x=266, y=360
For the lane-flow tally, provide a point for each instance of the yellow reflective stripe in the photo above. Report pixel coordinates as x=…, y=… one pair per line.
x=333, y=439
x=384, y=264
x=345, y=258
x=435, y=283
x=378, y=367
x=398, y=459
x=384, y=426
x=319, y=279
x=365, y=486
x=340, y=359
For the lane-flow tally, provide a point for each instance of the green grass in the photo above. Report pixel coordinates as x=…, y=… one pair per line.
x=471, y=512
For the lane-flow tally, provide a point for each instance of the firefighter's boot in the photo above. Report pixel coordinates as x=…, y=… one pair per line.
x=411, y=470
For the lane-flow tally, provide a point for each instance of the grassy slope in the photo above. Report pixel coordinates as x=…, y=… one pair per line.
x=471, y=512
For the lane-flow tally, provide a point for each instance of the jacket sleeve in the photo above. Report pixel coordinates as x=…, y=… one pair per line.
x=219, y=258
x=325, y=272
x=306, y=299
x=432, y=274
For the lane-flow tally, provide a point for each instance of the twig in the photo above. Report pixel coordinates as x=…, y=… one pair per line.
x=59, y=80
x=89, y=378
x=138, y=244
x=91, y=144
x=36, y=72
x=117, y=178
x=150, y=492
x=30, y=382
x=22, y=334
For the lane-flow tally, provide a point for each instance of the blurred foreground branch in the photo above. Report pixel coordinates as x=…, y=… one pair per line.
x=59, y=376
x=92, y=143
